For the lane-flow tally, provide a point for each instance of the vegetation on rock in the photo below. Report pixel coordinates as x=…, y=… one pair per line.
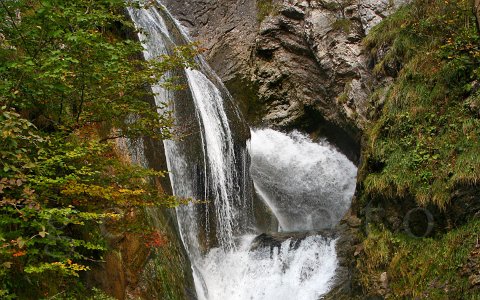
x=423, y=149
x=265, y=8
x=430, y=268
x=427, y=140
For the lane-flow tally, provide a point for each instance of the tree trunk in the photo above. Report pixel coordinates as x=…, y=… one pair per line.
x=476, y=10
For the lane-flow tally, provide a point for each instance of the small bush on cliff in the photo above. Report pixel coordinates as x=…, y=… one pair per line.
x=70, y=81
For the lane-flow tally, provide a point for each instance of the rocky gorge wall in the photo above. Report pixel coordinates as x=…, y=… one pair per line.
x=292, y=64
x=310, y=65
x=146, y=258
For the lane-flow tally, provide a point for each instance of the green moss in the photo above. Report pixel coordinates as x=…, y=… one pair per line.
x=343, y=97
x=265, y=8
x=427, y=138
x=420, y=268
x=342, y=24
x=167, y=273
x=246, y=95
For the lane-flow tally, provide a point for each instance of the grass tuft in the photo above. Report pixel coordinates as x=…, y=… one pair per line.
x=265, y=8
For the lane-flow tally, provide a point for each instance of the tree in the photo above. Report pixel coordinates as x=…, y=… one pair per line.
x=476, y=11
x=72, y=78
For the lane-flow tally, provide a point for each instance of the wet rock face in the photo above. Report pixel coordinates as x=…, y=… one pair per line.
x=310, y=70
x=132, y=269
x=225, y=28
x=274, y=240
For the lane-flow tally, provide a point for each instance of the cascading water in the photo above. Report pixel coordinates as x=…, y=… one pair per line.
x=213, y=164
x=303, y=273
x=210, y=163
x=218, y=143
x=309, y=186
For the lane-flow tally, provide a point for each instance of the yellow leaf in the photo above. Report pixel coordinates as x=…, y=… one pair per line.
x=20, y=243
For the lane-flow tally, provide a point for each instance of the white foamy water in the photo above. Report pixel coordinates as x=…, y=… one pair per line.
x=307, y=185
x=217, y=138
x=304, y=273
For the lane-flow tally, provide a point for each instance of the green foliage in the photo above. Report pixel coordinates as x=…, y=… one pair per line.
x=431, y=268
x=51, y=188
x=426, y=142
x=342, y=24
x=265, y=8
x=71, y=80
x=62, y=63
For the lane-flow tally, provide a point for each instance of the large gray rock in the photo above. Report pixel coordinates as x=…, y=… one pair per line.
x=276, y=239
x=374, y=11
x=314, y=60
x=310, y=69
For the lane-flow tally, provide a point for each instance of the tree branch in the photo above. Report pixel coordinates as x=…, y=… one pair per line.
x=12, y=21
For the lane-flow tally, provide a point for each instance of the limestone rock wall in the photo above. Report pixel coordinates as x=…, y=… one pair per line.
x=226, y=29
x=373, y=11
x=301, y=66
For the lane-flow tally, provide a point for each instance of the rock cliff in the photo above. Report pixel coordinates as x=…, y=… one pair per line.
x=292, y=64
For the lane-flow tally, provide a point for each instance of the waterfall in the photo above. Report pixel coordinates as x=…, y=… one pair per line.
x=309, y=186
x=212, y=163
x=218, y=144
x=217, y=162
x=304, y=273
